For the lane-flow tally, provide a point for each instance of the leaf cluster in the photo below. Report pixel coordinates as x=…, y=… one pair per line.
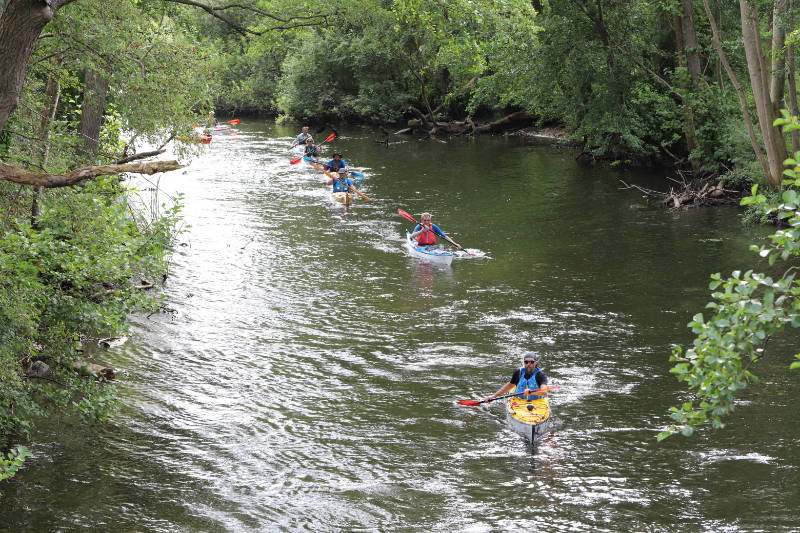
x=747, y=309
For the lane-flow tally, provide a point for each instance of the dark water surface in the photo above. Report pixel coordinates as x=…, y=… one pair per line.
x=307, y=380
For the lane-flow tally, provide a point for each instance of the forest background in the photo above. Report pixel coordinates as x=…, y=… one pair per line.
x=91, y=90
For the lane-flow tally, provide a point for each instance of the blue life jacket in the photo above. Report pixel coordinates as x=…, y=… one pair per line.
x=529, y=383
x=338, y=186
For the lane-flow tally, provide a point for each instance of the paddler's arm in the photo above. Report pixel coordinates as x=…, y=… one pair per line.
x=438, y=231
x=502, y=390
x=416, y=231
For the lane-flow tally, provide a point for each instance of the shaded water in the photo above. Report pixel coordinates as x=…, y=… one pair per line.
x=307, y=379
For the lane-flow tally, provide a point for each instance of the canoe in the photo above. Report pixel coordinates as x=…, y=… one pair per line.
x=528, y=422
x=431, y=254
x=342, y=197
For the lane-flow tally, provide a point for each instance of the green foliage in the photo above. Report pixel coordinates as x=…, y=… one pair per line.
x=747, y=309
x=10, y=463
x=71, y=275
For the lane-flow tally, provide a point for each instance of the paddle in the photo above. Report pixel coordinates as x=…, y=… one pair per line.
x=442, y=235
x=545, y=389
x=234, y=121
x=330, y=137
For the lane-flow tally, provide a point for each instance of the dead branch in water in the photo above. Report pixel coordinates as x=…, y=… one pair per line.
x=691, y=192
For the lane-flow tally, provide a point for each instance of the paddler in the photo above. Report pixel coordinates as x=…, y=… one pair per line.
x=425, y=232
x=341, y=183
x=310, y=149
x=301, y=139
x=336, y=163
x=525, y=379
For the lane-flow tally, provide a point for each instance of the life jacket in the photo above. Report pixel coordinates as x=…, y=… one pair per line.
x=529, y=383
x=311, y=151
x=340, y=185
x=427, y=236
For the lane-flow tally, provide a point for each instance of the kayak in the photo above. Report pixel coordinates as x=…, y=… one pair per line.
x=528, y=422
x=342, y=197
x=428, y=253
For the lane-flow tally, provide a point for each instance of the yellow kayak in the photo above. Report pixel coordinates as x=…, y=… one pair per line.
x=529, y=418
x=342, y=197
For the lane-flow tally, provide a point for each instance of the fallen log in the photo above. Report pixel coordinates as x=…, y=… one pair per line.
x=467, y=127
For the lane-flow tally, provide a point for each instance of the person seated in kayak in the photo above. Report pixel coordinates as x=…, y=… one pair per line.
x=425, y=232
x=301, y=139
x=341, y=183
x=525, y=379
x=336, y=163
x=311, y=150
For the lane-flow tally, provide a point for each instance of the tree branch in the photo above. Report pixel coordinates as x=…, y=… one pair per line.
x=73, y=177
x=215, y=11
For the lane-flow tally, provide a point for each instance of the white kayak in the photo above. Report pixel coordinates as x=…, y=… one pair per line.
x=428, y=253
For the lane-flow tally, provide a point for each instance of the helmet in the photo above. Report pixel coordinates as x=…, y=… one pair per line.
x=342, y=170
x=337, y=153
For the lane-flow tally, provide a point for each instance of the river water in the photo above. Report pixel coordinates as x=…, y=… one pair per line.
x=307, y=375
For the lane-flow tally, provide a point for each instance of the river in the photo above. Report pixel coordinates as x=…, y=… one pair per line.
x=305, y=375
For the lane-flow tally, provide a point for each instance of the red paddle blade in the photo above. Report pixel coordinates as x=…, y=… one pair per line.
x=469, y=402
x=295, y=160
x=406, y=215
x=234, y=121
x=331, y=137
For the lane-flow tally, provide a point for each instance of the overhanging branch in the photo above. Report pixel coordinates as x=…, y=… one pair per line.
x=295, y=21
x=73, y=177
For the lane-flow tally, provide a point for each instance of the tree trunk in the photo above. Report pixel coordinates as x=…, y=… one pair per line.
x=756, y=67
x=52, y=94
x=792, y=84
x=21, y=22
x=778, y=73
x=739, y=90
x=690, y=43
x=688, y=115
x=94, y=99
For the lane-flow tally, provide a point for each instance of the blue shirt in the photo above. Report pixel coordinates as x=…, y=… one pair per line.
x=334, y=166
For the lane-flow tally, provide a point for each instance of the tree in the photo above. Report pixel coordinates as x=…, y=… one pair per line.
x=766, y=82
x=748, y=308
x=22, y=22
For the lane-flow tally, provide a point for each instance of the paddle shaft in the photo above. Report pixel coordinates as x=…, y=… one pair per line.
x=543, y=389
